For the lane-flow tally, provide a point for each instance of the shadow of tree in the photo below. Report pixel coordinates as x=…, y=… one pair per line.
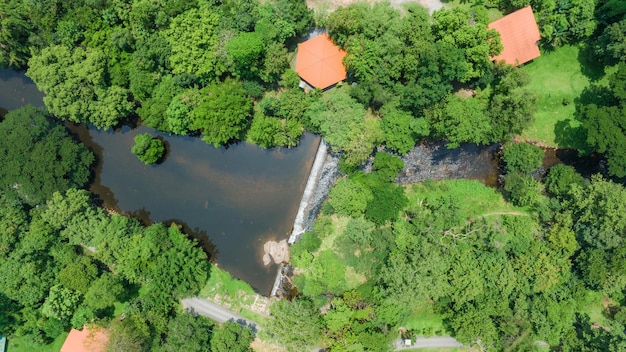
x=568, y=136
x=590, y=64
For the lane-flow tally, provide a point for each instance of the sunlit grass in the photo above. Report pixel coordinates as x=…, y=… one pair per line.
x=25, y=344
x=558, y=78
x=472, y=198
x=425, y=322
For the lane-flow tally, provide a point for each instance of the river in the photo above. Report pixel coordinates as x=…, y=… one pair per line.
x=232, y=199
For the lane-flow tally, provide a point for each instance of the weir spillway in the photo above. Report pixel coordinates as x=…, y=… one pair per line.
x=322, y=176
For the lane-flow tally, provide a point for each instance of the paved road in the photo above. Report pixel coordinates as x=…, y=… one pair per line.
x=216, y=312
x=428, y=342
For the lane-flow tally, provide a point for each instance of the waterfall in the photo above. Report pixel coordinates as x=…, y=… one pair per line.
x=311, y=196
x=324, y=171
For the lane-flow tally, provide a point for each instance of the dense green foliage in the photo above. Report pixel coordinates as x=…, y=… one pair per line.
x=498, y=277
x=522, y=157
x=67, y=263
x=148, y=149
x=39, y=157
x=604, y=120
x=382, y=256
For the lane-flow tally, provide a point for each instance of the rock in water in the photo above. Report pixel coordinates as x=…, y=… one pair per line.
x=276, y=251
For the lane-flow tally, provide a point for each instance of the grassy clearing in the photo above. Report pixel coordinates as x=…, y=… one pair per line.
x=339, y=224
x=24, y=344
x=595, y=308
x=472, y=197
x=558, y=78
x=425, y=322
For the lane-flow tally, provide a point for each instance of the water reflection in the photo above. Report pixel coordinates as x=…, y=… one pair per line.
x=232, y=201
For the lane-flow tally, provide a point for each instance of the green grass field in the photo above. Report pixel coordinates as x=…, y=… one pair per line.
x=473, y=198
x=425, y=321
x=24, y=344
x=558, y=78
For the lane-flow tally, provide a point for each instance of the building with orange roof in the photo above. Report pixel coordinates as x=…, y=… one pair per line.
x=520, y=34
x=92, y=339
x=319, y=62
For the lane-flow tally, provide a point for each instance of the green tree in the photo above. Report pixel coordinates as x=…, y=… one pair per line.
x=281, y=20
x=61, y=303
x=104, y=292
x=460, y=120
x=194, y=40
x=595, y=209
x=222, y=113
x=78, y=275
x=522, y=157
x=460, y=28
x=264, y=130
x=349, y=197
x=611, y=44
x=560, y=178
x=147, y=148
x=522, y=189
x=76, y=88
x=401, y=130
x=342, y=121
x=246, y=51
x=179, y=111
x=153, y=110
x=128, y=335
x=232, y=337
x=296, y=324
x=39, y=157
x=186, y=332
x=15, y=29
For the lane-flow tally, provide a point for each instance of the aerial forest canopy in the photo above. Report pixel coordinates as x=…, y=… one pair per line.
x=541, y=261
x=222, y=68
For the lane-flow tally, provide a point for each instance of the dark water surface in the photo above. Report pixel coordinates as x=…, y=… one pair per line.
x=232, y=199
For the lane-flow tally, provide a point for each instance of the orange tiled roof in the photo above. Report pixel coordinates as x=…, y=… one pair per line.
x=520, y=34
x=320, y=62
x=87, y=340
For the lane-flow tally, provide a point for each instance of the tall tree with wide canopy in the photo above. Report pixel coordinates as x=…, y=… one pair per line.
x=194, y=41
x=223, y=112
x=76, y=87
x=39, y=157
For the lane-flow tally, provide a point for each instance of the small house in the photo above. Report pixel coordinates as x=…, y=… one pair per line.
x=320, y=62
x=89, y=339
x=520, y=36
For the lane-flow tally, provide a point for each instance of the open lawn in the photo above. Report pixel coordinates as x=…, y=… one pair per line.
x=473, y=198
x=558, y=77
x=425, y=322
x=24, y=344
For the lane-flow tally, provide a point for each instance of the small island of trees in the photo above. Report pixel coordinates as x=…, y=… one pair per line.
x=148, y=149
